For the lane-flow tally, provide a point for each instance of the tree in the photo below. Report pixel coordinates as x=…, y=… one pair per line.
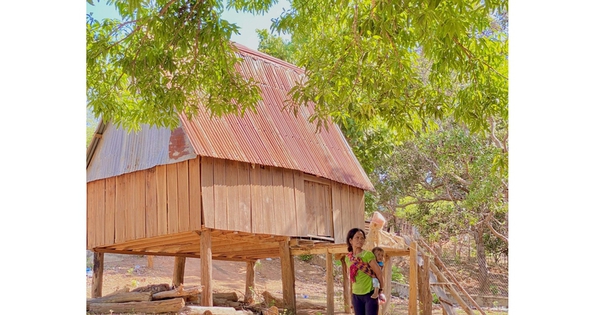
x=450, y=182
x=408, y=62
x=166, y=57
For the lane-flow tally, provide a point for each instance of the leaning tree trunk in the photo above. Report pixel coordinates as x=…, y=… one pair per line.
x=481, y=261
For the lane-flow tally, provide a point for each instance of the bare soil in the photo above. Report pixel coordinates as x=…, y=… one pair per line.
x=133, y=271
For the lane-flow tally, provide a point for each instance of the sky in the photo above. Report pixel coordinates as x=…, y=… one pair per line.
x=553, y=163
x=247, y=22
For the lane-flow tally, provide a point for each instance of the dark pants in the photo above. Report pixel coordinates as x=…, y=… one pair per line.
x=365, y=304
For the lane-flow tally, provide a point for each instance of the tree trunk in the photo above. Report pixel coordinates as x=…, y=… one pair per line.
x=481, y=261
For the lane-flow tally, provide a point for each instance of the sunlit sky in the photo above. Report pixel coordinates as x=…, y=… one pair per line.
x=246, y=21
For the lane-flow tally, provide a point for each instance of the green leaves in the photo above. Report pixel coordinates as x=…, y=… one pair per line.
x=163, y=59
x=407, y=62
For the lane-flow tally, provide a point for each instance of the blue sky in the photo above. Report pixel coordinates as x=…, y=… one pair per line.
x=246, y=21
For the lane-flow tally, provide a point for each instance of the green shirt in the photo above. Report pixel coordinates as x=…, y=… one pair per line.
x=363, y=284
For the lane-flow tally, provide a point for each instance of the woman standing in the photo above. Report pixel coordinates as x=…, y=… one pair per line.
x=363, y=266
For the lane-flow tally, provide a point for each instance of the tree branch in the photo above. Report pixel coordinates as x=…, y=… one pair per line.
x=489, y=225
x=424, y=201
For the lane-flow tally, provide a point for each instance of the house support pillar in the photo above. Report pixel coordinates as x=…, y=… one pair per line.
x=387, y=283
x=345, y=283
x=206, y=268
x=413, y=283
x=330, y=292
x=425, y=298
x=287, y=276
x=98, y=269
x=250, y=285
x=178, y=271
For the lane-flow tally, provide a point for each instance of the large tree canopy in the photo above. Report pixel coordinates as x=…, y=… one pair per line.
x=360, y=57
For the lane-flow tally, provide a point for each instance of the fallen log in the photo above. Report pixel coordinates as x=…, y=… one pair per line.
x=153, y=288
x=123, y=297
x=270, y=299
x=179, y=292
x=214, y=310
x=220, y=299
x=163, y=306
x=273, y=310
x=232, y=296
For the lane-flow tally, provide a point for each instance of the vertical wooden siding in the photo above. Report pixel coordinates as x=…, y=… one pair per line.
x=252, y=198
x=160, y=200
x=220, y=194
x=348, y=205
x=318, y=208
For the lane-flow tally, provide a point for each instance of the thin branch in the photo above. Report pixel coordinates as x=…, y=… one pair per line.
x=425, y=201
x=489, y=225
x=471, y=56
x=495, y=139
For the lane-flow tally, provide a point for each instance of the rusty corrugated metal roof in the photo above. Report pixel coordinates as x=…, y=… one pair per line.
x=118, y=152
x=272, y=136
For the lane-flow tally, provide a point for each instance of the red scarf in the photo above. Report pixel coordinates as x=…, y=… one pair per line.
x=358, y=264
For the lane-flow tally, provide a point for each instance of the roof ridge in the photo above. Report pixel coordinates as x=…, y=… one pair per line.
x=256, y=53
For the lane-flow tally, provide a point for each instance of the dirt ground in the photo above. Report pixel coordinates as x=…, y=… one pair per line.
x=133, y=271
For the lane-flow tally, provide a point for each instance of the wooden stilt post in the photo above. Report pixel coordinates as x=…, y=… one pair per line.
x=425, y=298
x=387, y=285
x=412, y=280
x=206, y=268
x=150, y=263
x=287, y=276
x=178, y=271
x=345, y=283
x=250, y=285
x=98, y=270
x=97, y=276
x=329, y=277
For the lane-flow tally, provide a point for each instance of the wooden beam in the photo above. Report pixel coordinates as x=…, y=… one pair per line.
x=412, y=280
x=178, y=271
x=98, y=269
x=387, y=285
x=250, y=282
x=150, y=264
x=288, y=277
x=206, y=268
x=425, y=298
x=346, y=285
x=329, y=277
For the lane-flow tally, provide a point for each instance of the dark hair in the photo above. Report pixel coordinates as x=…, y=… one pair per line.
x=377, y=249
x=351, y=234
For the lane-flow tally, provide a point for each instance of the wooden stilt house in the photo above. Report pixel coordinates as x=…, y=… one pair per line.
x=232, y=188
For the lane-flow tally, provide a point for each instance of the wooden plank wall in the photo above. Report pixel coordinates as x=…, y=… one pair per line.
x=220, y=194
x=348, y=205
x=160, y=200
x=318, y=208
x=250, y=198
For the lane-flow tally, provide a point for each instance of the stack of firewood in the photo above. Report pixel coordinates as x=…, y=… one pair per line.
x=161, y=298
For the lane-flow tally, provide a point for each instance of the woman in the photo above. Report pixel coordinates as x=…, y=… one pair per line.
x=363, y=266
